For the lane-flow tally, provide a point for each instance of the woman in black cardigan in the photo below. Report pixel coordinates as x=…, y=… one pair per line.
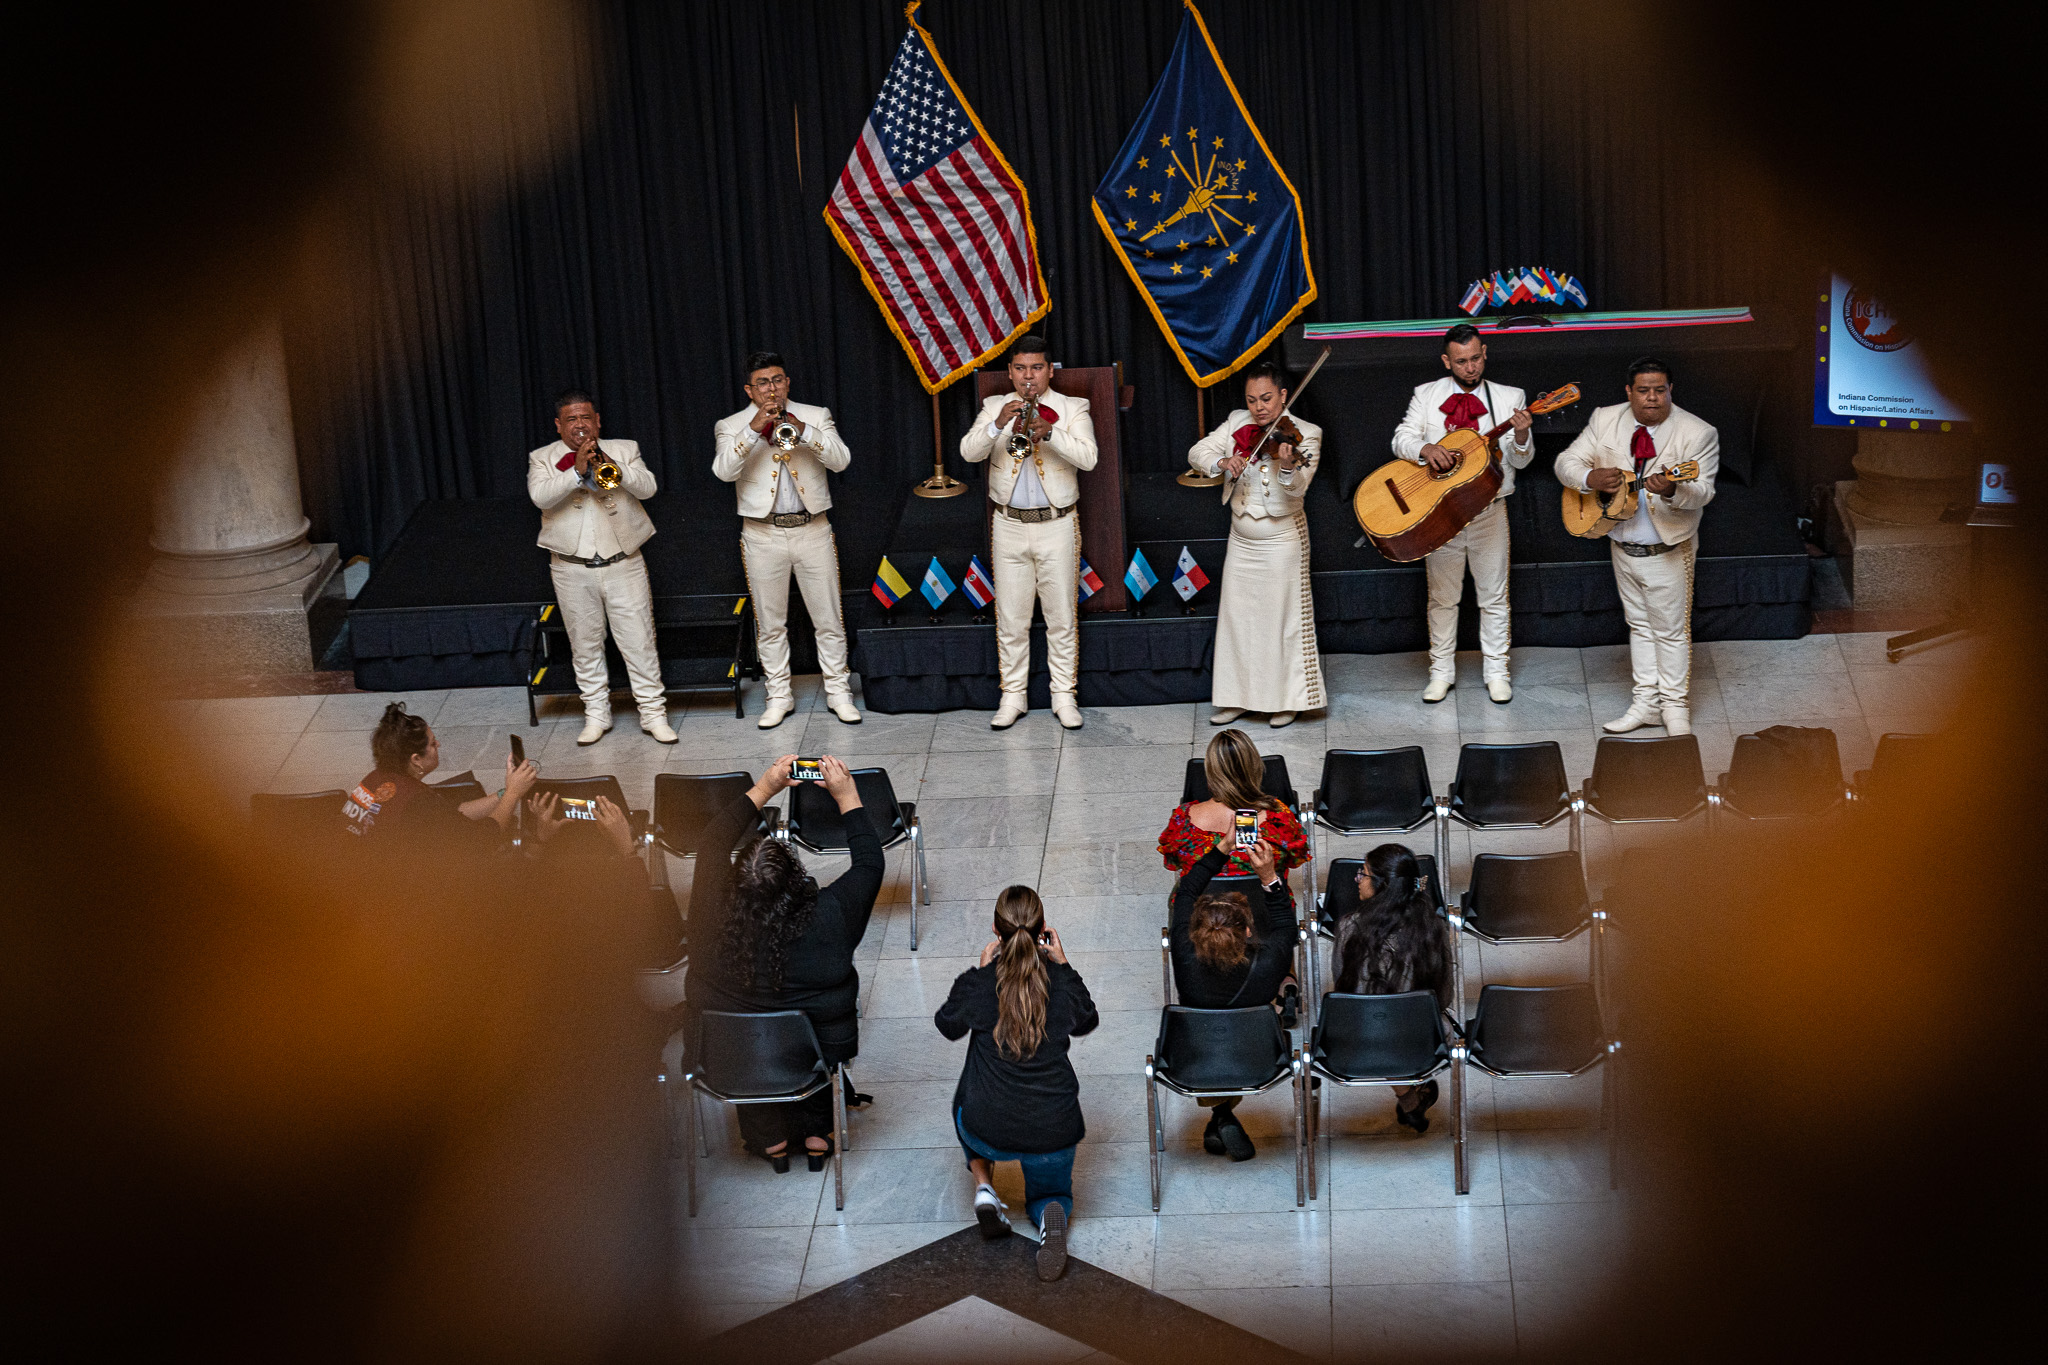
x=1224, y=958
x=773, y=939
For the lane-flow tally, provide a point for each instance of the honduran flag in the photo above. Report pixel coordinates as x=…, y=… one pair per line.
x=1190, y=580
x=936, y=587
x=976, y=585
x=1476, y=295
x=889, y=585
x=1090, y=581
x=1139, y=578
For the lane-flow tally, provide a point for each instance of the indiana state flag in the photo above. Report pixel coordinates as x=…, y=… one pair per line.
x=1203, y=217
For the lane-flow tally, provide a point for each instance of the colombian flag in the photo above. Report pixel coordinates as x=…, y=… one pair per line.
x=889, y=585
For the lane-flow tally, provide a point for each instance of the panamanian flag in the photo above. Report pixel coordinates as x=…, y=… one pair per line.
x=975, y=583
x=936, y=587
x=1190, y=580
x=1139, y=578
x=889, y=585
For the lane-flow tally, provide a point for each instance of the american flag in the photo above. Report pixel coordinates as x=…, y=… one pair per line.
x=936, y=223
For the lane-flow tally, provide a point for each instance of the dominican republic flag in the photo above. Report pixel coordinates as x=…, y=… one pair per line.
x=1190, y=580
x=936, y=222
x=1571, y=288
x=889, y=585
x=976, y=585
x=1139, y=578
x=1476, y=295
x=936, y=586
x=1090, y=583
x=1500, y=289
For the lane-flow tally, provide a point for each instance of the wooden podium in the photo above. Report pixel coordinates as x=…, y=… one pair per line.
x=1102, y=488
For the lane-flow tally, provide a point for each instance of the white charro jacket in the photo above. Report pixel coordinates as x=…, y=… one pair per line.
x=1605, y=442
x=1424, y=424
x=564, y=503
x=1263, y=491
x=1069, y=447
x=746, y=459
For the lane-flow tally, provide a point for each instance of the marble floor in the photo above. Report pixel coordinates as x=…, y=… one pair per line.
x=1387, y=1259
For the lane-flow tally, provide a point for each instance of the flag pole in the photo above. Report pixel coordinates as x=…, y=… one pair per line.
x=1188, y=478
x=940, y=484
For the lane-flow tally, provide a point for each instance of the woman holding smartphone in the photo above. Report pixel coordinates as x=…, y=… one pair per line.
x=1018, y=1098
x=1235, y=772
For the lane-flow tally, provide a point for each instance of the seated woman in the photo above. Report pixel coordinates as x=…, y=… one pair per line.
x=1018, y=1098
x=1223, y=959
x=387, y=801
x=1235, y=772
x=770, y=938
x=1394, y=942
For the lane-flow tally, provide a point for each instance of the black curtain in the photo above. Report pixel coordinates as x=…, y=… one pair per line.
x=681, y=226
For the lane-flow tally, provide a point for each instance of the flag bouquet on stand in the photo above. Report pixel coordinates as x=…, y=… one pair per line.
x=1523, y=285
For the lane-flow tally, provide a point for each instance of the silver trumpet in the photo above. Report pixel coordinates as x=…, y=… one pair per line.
x=1020, y=437
x=783, y=434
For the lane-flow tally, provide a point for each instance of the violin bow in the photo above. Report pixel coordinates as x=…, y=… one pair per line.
x=1230, y=485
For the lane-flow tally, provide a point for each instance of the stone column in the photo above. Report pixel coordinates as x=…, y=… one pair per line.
x=1896, y=552
x=235, y=574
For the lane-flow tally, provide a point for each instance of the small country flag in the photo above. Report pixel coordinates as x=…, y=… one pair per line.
x=889, y=585
x=976, y=585
x=936, y=586
x=1499, y=287
x=1518, y=287
x=1572, y=289
x=1190, y=580
x=1476, y=295
x=1091, y=583
x=1139, y=578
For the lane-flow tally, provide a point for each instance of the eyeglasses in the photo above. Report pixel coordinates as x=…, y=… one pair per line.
x=779, y=382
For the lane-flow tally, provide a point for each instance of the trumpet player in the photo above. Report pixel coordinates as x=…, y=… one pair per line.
x=1036, y=442
x=776, y=453
x=592, y=526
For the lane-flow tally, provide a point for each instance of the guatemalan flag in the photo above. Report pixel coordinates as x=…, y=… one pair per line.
x=1139, y=578
x=936, y=222
x=936, y=587
x=1190, y=580
x=975, y=583
x=1090, y=582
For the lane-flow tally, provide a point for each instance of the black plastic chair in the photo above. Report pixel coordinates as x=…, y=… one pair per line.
x=1275, y=783
x=684, y=803
x=814, y=824
x=1530, y=898
x=1512, y=786
x=459, y=790
x=1217, y=1054
x=1341, y=898
x=771, y=1058
x=1549, y=1033
x=299, y=819
x=1645, y=779
x=580, y=836
x=1766, y=781
x=1902, y=761
x=1384, y=1040
x=1373, y=791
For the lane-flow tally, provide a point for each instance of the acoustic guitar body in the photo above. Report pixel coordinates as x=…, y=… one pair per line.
x=1407, y=510
x=1592, y=515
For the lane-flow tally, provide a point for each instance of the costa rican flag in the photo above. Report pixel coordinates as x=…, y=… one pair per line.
x=1190, y=580
x=1090, y=582
x=1475, y=298
x=975, y=583
x=1139, y=578
x=936, y=222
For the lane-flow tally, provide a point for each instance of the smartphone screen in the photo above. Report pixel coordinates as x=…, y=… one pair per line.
x=577, y=808
x=518, y=751
x=807, y=770
x=1247, y=828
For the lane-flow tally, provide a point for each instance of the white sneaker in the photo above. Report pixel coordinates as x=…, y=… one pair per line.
x=1500, y=690
x=659, y=730
x=843, y=708
x=1010, y=712
x=1635, y=718
x=1052, y=1242
x=1280, y=719
x=1226, y=714
x=1677, y=720
x=1068, y=713
x=778, y=710
x=992, y=1213
x=1440, y=685
x=594, y=729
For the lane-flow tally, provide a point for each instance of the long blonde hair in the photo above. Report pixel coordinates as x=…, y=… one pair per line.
x=1236, y=773
x=1022, y=982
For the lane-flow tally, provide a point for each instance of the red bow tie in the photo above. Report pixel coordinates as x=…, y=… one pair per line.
x=1247, y=436
x=570, y=458
x=1642, y=449
x=1462, y=412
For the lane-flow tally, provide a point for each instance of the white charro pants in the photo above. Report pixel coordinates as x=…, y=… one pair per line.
x=1036, y=561
x=616, y=595
x=1483, y=544
x=1266, y=658
x=772, y=555
x=1656, y=597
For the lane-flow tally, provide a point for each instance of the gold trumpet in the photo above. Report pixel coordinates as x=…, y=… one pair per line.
x=604, y=470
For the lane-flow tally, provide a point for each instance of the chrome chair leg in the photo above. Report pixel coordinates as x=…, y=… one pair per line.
x=1158, y=1140
x=916, y=875
x=1461, y=1173
x=1165, y=964
x=1610, y=1098
x=690, y=1088
x=839, y=1149
x=1300, y=1133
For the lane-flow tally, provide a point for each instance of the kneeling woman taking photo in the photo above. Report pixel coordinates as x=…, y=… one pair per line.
x=1018, y=1098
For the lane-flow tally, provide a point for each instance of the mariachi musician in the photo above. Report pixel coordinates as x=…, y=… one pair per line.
x=1465, y=398
x=1266, y=657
